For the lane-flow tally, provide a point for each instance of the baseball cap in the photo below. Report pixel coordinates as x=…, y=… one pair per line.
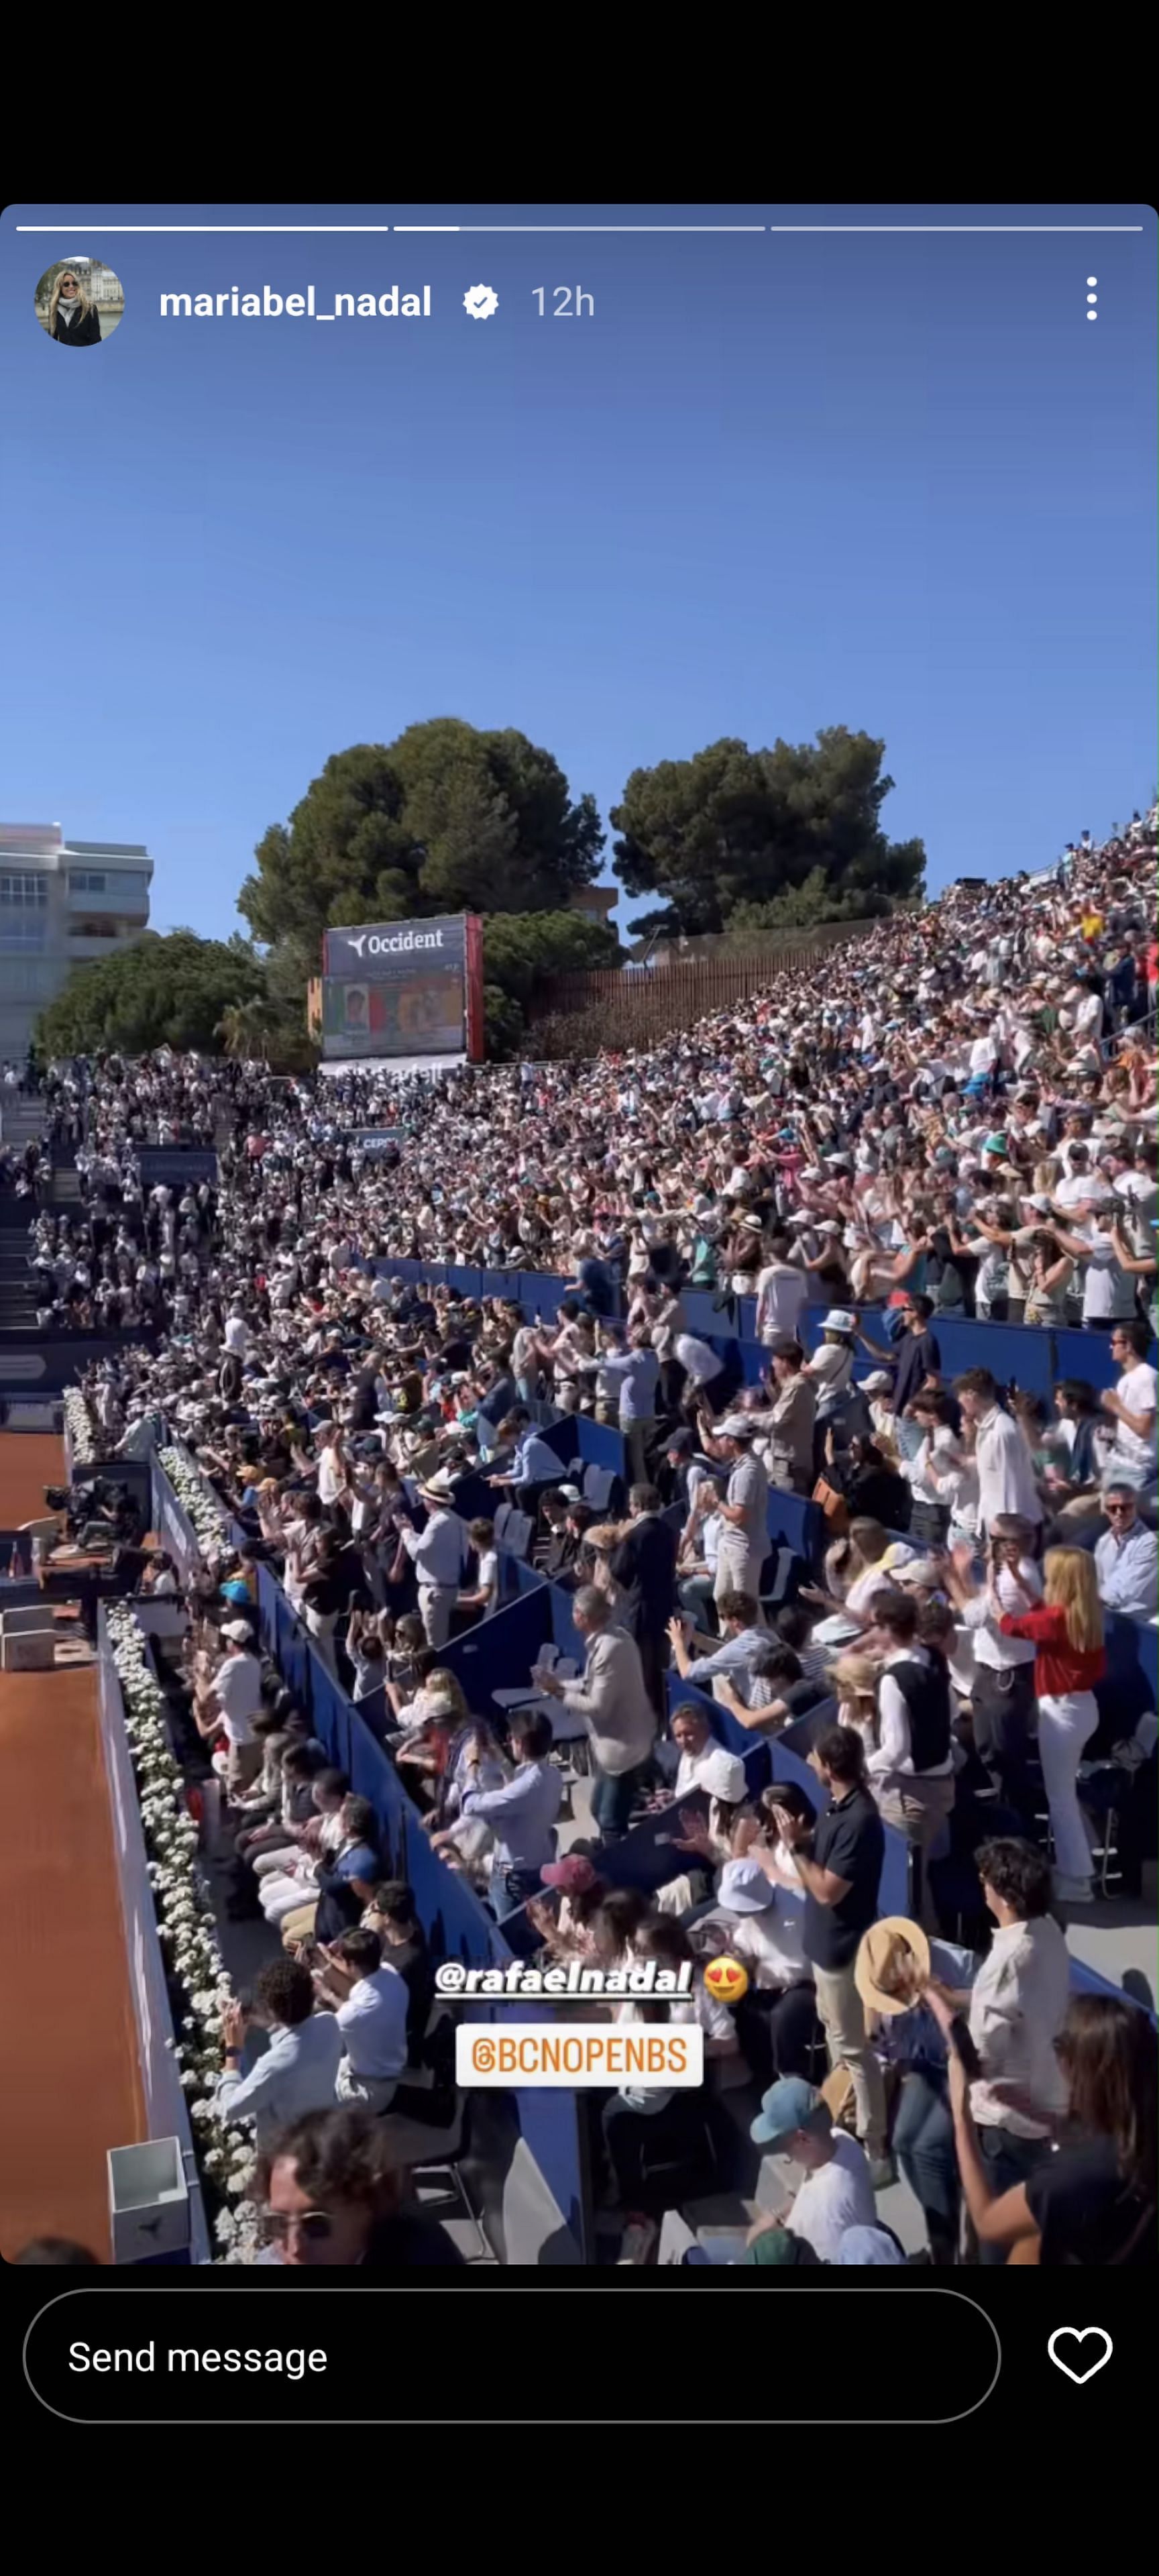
x=735, y=1426
x=239, y=1631
x=573, y=1874
x=679, y=1445
x=878, y=1382
x=743, y=1888
x=788, y=2105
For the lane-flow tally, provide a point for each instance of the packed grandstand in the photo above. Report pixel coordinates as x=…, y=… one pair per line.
x=700, y=1503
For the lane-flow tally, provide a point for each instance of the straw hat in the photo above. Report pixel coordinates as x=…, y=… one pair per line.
x=879, y=1949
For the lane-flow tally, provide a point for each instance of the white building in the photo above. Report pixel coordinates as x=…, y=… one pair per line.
x=62, y=904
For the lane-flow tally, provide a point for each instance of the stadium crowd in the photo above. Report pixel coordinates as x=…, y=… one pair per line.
x=952, y=1117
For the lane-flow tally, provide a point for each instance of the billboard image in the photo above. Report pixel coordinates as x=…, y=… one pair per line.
x=402, y=988
x=421, y=1016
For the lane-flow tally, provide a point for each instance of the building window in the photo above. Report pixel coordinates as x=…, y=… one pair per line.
x=21, y=931
x=18, y=892
x=121, y=881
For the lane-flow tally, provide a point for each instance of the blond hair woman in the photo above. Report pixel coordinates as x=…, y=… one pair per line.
x=71, y=317
x=1069, y=1658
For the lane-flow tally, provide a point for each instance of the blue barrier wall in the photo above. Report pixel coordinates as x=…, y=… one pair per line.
x=172, y=1527
x=177, y=1165
x=166, y=2115
x=501, y=1650
x=455, y=1923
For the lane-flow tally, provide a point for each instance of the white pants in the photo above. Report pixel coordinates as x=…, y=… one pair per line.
x=282, y=1896
x=1065, y=1725
x=322, y=1624
x=436, y=1603
x=376, y=2092
x=738, y=1571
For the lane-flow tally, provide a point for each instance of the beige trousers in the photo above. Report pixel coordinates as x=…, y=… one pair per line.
x=843, y=2020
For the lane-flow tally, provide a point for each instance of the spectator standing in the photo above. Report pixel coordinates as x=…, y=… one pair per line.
x=643, y=1569
x=840, y=1860
x=1005, y=1469
x=1067, y=1634
x=612, y=1699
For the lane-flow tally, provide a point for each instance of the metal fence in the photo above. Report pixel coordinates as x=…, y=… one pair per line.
x=578, y=1014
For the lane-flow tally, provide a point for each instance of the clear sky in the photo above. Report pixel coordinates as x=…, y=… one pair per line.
x=779, y=480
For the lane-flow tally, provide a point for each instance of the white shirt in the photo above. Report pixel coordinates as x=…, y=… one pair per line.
x=769, y=1941
x=990, y=1646
x=237, y=1336
x=1108, y=1289
x=894, y=1752
x=372, y=2022
x=1017, y=2005
x=438, y=1551
x=837, y=2196
x=295, y=2075
x=1137, y=1390
x=781, y=1293
x=1005, y=1470
x=331, y=1478
x=487, y=1580
x=237, y=1686
x=692, y=1767
x=1081, y=1188
x=914, y=1469
x=696, y=1359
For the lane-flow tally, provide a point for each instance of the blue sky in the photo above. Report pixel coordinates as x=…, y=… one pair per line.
x=780, y=480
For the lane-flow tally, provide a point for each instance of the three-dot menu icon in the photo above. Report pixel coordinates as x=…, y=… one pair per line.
x=1092, y=300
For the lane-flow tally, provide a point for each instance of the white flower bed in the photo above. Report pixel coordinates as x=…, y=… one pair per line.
x=81, y=1425
x=187, y=1930
x=205, y=1512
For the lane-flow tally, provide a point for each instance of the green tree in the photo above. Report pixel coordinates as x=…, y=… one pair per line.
x=520, y=949
x=801, y=907
x=444, y=819
x=504, y=1025
x=244, y=1030
x=169, y=989
x=732, y=826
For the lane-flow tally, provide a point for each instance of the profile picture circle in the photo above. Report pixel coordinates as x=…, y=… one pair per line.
x=79, y=302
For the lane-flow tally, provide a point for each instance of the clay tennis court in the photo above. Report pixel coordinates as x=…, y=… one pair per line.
x=69, y=2085
x=29, y=1460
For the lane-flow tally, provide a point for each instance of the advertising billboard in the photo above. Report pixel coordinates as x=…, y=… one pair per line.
x=401, y=988
x=389, y=952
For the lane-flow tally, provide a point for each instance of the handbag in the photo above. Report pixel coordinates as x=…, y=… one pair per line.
x=833, y=1504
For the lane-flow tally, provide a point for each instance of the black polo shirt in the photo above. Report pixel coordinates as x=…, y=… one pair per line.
x=849, y=1841
x=918, y=1357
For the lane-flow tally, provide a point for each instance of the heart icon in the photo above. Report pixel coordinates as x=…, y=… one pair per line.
x=1081, y=2334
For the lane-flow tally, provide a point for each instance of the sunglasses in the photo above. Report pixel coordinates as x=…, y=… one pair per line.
x=316, y=2225
x=1116, y=1511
